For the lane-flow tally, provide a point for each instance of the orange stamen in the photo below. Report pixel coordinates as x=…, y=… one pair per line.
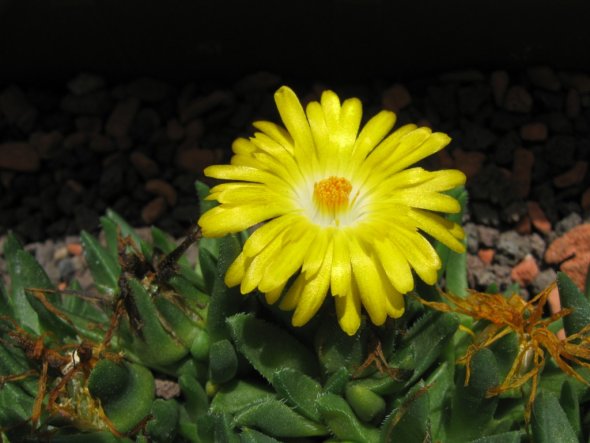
x=331, y=194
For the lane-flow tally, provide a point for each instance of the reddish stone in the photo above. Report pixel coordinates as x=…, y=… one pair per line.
x=572, y=177
x=144, y=165
x=19, y=156
x=163, y=189
x=555, y=306
x=153, y=210
x=486, y=255
x=499, y=81
x=522, y=169
x=468, y=162
x=525, y=271
x=538, y=217
x=121, y=118
x=585, y=202
x=396, y=98
x=534, y=132
x=572, y=104
x=573, y=249
x=518, y=99
x=74, y=249
x=523, y=227
x=195, y=160
x=174, y=130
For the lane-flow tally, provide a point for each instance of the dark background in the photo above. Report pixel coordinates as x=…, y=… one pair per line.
x=52, y=40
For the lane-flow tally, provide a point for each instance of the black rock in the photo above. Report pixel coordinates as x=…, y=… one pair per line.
x=485, y=213
x=571, y=221
x=543, y=279
x=560, y=151
x=472, y=239
x=512, y=248
x=538, y=245
x=488, y=236
x=504, y=148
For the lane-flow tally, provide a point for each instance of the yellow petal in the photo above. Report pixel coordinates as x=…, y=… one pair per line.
x=222, y=220
x=432, y=201
x=260, y=263
x=396, y=265
x=372, y=133
x=277, y=133
x=369, y=283
x=294, y=119
x=318, y=126
x=291, y=298
x=350, y=121
x=273, y=296
x=289, y=259
x=440, y=228
x=434, y=143
x=316, y=254
x=243, y=146
x=266, y=233
x=314, y=293
x=426, y=266
x=348, y=310
x=341, y=271
x=235, y=272
x=241, y=173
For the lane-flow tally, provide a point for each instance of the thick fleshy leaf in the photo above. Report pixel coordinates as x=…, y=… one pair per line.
x=28, y=282
x=253, y=436
x=126, y=392
x=470, y=403
x=155, y=345
x=571, y=297
x=239, y=394
x=277, y=419
x=505, y=437
x=223, y=361
x=410, y=420
x=196, y=402
x=342, y=421
x=549, y=421
x=163, y=425
x=269, y=348
x=570, y=403
x=126, y=230
x=299, y=391
x=367, y=405
x=224, y=301
x=103, y=266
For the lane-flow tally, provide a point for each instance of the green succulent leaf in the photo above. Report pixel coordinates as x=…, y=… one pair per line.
x=440, y=385
x=572, y=298
x=13, y=361
x=103, y=266
x=470, y=404
x=365, y=403
x=196, y=401
x=126, y=230
x=27, y=274
x=239, y=394
x=224, y=429
x=16, y=407
x=277, y=419
x=156, y=345
x=570, y=404
x=336, y=350
x=269, y=348
x=454, y=266
x=549, y=421
x=299, y=391
x=337, y=382
x=342, y=421
x=89, y=437
x=224, y=301
x=223, y=361
x=163, y=425
x=126, y=392
x=253, y=436
x=410, y=420
x=504, y=437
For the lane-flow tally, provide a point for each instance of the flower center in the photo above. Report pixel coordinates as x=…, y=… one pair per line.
x=331, y=195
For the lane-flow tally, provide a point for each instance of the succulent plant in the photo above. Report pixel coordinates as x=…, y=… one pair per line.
x=76, y=367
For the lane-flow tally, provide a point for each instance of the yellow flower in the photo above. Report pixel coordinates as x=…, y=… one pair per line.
x=340, y=208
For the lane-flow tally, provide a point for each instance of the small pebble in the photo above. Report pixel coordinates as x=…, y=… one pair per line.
x=153, y=210
x=518, y=99
x=525, y=271
x=575, y=175
x=534, y=132
x=396, y=98
x=499, y=81
x=538, y=217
